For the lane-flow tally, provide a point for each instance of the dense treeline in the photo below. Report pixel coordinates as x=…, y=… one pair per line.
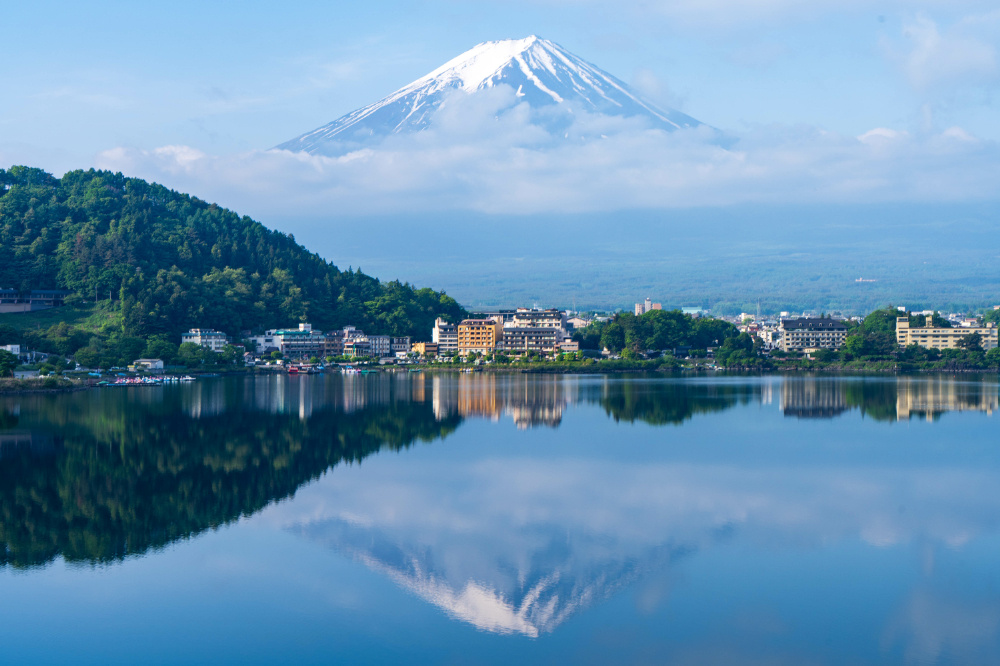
x=657, y=329
x=167, y=261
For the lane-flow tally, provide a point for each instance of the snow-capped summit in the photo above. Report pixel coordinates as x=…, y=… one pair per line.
x=540, y=72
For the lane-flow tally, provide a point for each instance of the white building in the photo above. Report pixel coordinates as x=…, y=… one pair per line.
x=445, y=335
x=380, y=346
x=13, y=349
x=542, y=331
x=810, y=333
x=206, y=337
x=301, y=342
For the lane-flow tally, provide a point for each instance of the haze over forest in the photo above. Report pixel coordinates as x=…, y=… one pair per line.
x=825, y=144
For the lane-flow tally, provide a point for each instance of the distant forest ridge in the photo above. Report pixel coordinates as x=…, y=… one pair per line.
x=169, y=261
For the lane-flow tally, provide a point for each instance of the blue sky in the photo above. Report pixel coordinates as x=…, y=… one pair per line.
x=186, y=92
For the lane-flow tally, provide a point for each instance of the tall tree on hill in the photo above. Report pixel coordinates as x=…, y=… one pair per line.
x=169, y=261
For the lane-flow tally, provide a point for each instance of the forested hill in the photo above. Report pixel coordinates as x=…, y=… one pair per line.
x=170, y=261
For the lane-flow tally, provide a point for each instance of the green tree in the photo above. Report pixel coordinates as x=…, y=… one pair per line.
x=190, y=354
x=971, y=342
x=8, y=362
x=160, y=347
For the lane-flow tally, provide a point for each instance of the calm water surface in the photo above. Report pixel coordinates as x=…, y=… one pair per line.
x=495, y=519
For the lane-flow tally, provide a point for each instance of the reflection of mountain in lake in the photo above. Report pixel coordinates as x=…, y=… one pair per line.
x=497, y=586
x=99, y=475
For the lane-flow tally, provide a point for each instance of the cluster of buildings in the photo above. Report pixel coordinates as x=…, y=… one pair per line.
x=508, y=331
x=304, y=342
x=549, y=331
x=807, y=334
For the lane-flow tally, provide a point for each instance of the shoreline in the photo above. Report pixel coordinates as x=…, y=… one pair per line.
x=63, y=385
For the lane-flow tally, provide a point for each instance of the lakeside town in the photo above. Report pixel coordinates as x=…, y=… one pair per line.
x=510, y=336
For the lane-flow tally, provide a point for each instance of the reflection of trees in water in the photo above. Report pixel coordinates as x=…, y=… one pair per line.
x=99, y=475
x=122, y=479
x=881, y=399
x=672, y=403
x=876, y=399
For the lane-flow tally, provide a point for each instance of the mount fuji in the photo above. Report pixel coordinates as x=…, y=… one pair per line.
x=541, y=74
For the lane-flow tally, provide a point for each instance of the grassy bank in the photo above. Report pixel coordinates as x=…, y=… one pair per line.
x=40, y=385
x=85, y=316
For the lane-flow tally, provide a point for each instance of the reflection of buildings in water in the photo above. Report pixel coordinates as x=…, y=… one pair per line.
x=14, y=442
x=810, y=398
x=304, y=394
x=932, y=396
x=767, y=393
x=204, y=398
x=530, y=400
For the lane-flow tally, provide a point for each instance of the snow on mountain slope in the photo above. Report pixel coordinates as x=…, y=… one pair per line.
x=541, y=73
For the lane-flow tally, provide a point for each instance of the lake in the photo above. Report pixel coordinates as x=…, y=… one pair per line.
x=490, y=518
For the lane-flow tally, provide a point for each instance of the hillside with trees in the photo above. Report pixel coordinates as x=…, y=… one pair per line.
x=157, y=262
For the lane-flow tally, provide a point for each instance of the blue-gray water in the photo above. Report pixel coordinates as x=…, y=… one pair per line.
x=496, y=519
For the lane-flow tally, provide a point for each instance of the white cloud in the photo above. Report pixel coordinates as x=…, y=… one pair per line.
x=954, y=57
x=477, y=159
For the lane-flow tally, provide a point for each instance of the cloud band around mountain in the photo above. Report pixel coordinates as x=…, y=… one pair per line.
x=489, y=153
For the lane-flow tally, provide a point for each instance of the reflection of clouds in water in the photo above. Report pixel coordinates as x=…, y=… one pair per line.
x=519, y=544
x=642, y=504
x=933, y=630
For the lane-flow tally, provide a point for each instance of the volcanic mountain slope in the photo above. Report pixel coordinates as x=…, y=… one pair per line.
x=541, y=73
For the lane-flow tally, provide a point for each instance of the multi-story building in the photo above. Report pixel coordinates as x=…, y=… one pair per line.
x=445, y=335
x=425, y=349
x=302, y=342
x=502, y=316
x=522, y=339
x=206, y=337
x=335, y=343
x=811, y=333
x=938, y=337
x=357, y=347
x=528, y=318
x=380, y=346
x=400, y=344
x=770, y=336
x=647, y=306
x=541, y=331
x=479, y=335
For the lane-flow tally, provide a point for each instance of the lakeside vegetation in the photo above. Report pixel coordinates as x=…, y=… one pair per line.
x=870, y=345
x=144, y=263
